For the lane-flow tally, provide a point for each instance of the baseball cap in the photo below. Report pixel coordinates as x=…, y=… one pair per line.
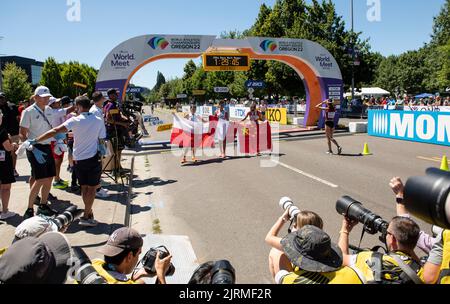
x=42, y=92
x=120, y=240
x=34, y=227
x=310, y=248
x=52, y=100
x=40, y=260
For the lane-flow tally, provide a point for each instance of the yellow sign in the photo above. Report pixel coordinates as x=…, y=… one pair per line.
x=277, y=115
x=165, y=127
x=226, y=62
x=77, y=84
x=198, y=92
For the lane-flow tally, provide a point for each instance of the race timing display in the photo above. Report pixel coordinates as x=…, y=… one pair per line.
x=226, y=62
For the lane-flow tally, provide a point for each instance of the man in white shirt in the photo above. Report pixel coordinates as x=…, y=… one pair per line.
x=58, y=117
x=88, y=130
x=35, y=121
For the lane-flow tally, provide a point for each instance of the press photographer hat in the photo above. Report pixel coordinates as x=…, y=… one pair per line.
x=52, y=100
x=310, y=248
x=42, y=92
x=34, y=227
x=121, y=239
x=40, y=260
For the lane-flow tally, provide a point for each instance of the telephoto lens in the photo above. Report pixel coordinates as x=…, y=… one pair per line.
x=86, y=273
x=286, y=203
x=354, y=210
x=427, y=197
x=67, y=217
x=223, y=273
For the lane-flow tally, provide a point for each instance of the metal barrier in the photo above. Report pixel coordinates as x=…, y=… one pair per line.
x=127, y=221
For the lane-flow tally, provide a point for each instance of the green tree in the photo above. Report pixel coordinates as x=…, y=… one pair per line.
x=441, y=26
x=15, y=83
x=160, y=80
x=51, y=76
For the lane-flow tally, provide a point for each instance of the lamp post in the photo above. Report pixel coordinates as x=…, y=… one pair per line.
x=353, y=54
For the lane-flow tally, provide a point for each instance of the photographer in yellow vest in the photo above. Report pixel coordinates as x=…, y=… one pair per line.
x=399, y=266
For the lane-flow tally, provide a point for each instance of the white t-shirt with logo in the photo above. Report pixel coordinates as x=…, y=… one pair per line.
x=34, y=121
x=87, y=129
x=58, y=116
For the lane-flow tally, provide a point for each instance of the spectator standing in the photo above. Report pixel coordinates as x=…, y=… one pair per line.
x=88, y=132
x=11, y=124
x=7, y=148
x=36, y=121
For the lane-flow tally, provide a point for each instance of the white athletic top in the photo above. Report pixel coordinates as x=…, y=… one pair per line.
x=87, y=129
x=33, y=119
x=97, y=112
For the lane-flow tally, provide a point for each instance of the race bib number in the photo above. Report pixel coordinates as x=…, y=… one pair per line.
x=2, y=156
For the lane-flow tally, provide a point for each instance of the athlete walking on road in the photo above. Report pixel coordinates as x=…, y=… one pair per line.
x=330, y=113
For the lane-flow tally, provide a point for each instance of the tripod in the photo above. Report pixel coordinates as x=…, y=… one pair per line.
x=116, y=173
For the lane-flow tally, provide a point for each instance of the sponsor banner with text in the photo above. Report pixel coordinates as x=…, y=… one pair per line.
x=417, y=126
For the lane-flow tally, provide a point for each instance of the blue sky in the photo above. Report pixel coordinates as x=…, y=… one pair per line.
x=39, y=29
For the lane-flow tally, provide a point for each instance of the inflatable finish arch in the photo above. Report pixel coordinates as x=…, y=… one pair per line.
x=315, y=65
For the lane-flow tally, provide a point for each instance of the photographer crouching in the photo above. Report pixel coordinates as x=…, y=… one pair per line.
x=121, y=255
x=306, y=255
x=400, y=265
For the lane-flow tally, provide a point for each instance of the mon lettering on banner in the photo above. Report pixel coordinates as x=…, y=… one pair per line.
x=417, y=126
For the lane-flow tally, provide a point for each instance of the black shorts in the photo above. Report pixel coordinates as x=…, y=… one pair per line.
x=330, y=124
x=89, y=171
x=45, y=170
x=7, y=172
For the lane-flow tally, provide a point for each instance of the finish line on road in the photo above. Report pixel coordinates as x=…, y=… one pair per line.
x=318, y=179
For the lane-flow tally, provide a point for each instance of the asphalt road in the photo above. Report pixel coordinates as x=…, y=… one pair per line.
x=227, y=207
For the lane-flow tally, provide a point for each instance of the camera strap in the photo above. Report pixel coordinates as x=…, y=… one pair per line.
x=406, y=269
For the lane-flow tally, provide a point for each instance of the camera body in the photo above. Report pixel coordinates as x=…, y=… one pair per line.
x=150, y=257
x=287, y=203
x=86, y=273
x=354, y=210
x=130, y=107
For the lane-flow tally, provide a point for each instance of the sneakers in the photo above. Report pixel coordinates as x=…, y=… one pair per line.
x=183, y=161
x=88, y=222
x=7, y=215
x=28, y=214
x=46, y=210
x=61, y=184
x=339, y=150
x=102, y=193
x=75, y=189
x=329, y=152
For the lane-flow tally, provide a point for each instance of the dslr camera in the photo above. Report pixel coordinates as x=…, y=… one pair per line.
x=67, y=217
x=427, y=197
x=150, y=257
x=354, y=210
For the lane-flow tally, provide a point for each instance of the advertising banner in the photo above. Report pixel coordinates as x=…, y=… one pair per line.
x=425, y=127
x=277, y=115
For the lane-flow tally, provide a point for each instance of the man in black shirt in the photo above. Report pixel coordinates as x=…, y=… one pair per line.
x=10, y=123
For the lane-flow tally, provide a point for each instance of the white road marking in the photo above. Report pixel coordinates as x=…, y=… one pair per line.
x=318, y=179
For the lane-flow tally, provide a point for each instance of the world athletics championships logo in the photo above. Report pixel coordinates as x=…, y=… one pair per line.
x=268, y=45
x=158, y=42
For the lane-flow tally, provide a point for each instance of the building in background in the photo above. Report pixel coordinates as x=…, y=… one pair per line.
x=32, y=67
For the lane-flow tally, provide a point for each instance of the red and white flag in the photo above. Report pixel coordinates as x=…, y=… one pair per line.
x=193, y=133
x=254, y=137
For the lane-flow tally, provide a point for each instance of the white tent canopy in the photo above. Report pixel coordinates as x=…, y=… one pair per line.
x=375, y=92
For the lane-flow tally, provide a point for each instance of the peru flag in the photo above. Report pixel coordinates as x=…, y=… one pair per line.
x=254, y=137
x=193, y=134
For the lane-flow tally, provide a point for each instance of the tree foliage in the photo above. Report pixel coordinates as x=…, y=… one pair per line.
x=15, y=83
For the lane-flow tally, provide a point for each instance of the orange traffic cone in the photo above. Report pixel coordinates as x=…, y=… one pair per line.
x=444, y=163
x=366, y=150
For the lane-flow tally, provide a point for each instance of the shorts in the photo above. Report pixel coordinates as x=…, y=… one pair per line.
x=55, y=156
x=45, y=170
x=7, y=172
x=88, y=171
x=330, y=124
